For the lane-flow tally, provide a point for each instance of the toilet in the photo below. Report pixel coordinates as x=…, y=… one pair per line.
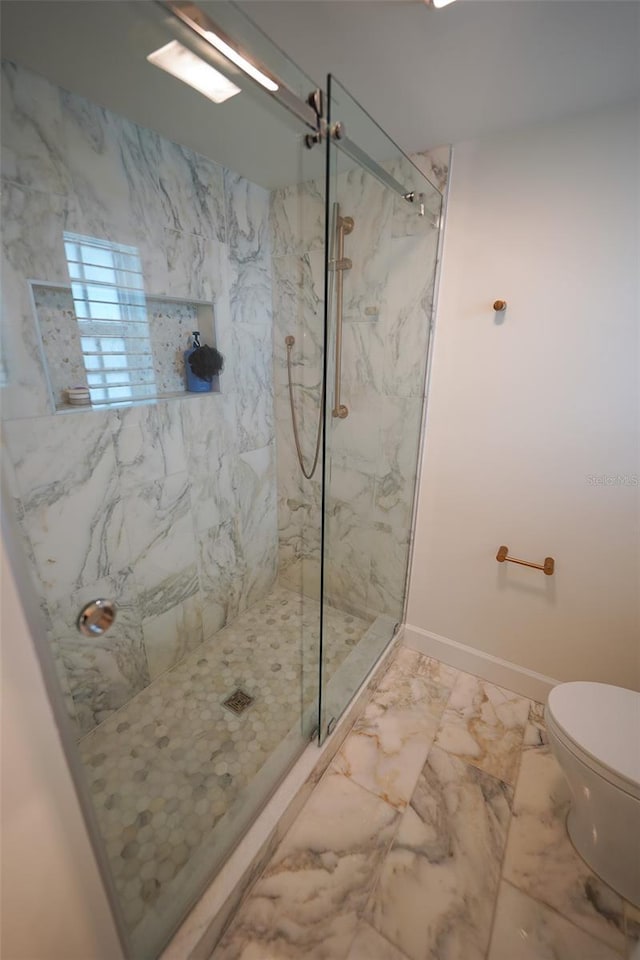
x=594, y=732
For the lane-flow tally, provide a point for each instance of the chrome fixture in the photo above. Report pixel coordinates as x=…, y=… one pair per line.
x=96, y=617
x=307, y=474
x=343, y=226
x=316, y=102
x=547, y=567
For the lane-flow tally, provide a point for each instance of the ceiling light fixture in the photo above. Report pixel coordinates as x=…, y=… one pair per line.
x=439, y=3
x=245, y=65
x=175, y=59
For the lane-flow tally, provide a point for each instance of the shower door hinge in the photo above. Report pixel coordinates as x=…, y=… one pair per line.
x=316, y=102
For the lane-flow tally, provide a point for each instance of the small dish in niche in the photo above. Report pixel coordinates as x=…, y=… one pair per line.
x=78, y=396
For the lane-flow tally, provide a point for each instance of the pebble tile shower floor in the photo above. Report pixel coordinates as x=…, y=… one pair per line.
x=166, y=768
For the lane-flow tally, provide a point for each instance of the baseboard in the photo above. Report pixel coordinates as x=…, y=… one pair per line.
x=521, y=680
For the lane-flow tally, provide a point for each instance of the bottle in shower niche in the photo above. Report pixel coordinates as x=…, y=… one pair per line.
x=195, y=384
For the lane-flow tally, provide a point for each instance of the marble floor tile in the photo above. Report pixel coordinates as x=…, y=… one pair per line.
x=388, y=746
x=535, y=732
x=536, y=712
x=540, y=859
x=484, y=725
x=525, y=929
x=469, y=869
x=307, y=902
x=632, y=930
x=369, y=945
x=436, y=892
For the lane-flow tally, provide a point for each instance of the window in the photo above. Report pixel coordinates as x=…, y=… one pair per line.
x=111, y=310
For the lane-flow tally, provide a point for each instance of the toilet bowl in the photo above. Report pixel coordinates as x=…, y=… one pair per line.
x=594, y=732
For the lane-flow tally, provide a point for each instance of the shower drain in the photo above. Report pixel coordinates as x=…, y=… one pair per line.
x=238, y=701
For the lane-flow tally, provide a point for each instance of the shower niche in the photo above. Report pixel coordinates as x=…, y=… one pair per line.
x=104, y=340
x=127, y=363
x=154, y=373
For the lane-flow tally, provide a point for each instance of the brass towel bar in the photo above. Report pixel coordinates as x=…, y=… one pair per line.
x=548, y=566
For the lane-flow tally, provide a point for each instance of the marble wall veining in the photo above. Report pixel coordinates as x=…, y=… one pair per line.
x=168, y=507
x=388, y=296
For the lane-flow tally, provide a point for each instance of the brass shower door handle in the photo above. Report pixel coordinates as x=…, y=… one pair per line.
x=344, y=225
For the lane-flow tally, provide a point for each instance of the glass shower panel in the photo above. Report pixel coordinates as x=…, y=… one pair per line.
x=384, y=220
x=136, y=211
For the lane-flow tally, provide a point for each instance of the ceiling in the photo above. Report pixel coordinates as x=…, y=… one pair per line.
x=427, y=76
x=477, y=67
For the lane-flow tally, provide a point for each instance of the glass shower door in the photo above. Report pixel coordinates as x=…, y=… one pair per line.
x=124, y=230
x=383, y=221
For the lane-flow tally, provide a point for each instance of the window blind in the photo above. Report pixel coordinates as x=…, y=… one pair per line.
x=111, y=310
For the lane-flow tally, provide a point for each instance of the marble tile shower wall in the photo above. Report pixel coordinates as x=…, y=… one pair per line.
x=297, y=243
x=170, y=508
x=388, y=298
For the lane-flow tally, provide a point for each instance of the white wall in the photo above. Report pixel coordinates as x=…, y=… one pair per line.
x=53, y=905
x=525, y=406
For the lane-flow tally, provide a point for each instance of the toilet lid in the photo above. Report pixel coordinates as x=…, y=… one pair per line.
x=602, y=721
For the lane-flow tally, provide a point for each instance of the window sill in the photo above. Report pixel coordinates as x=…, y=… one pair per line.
x=65, y=408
